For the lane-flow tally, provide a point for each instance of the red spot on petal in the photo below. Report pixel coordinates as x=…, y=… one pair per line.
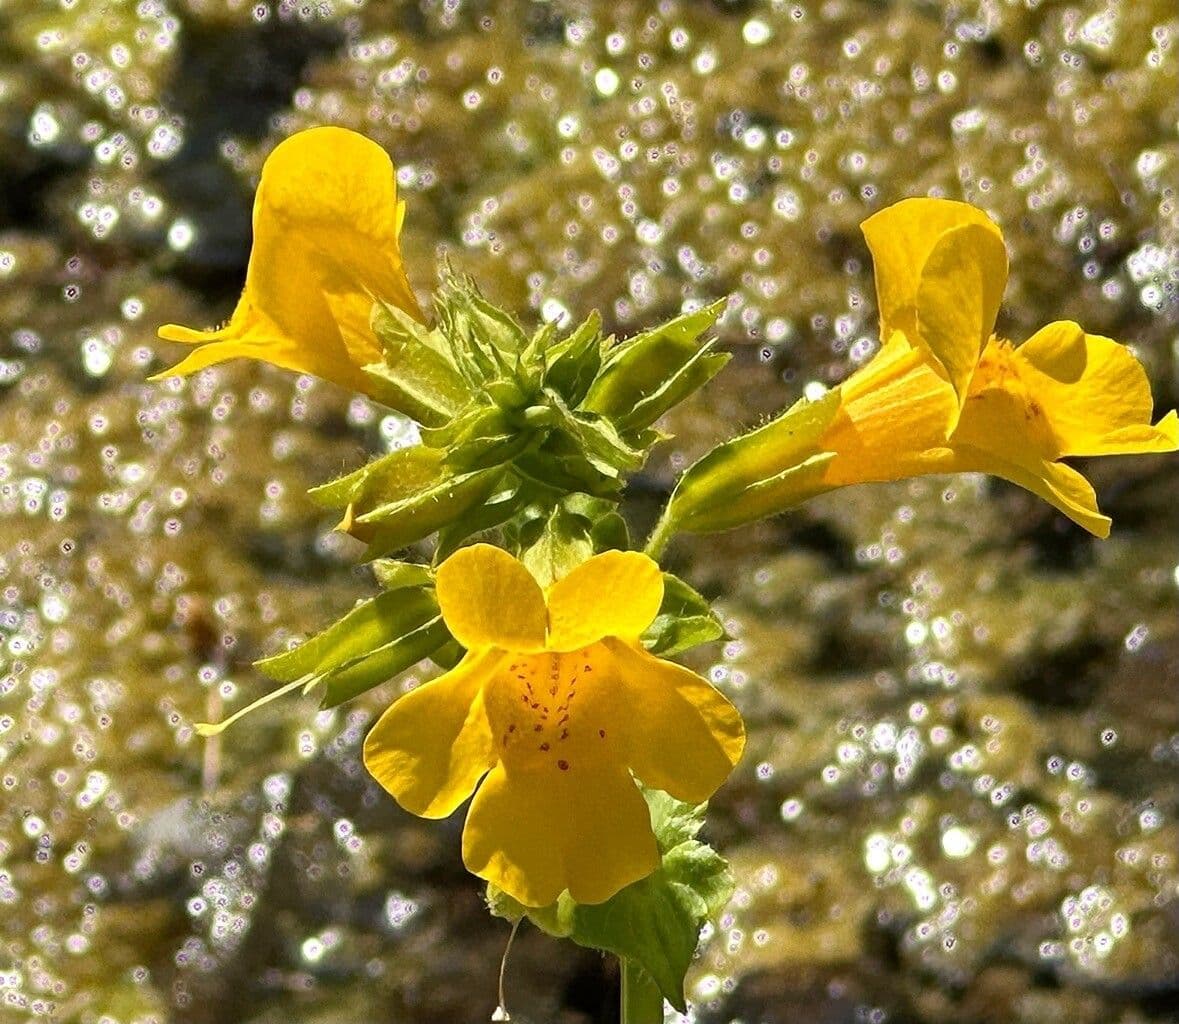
x=563, y=765
x=602, y=733
x=544, y=746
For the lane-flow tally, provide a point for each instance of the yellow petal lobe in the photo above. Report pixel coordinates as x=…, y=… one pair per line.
x=958, y=297
x=588, y=833
x=685, y=737
x=1094, y=392
x=326, y=219
x=901, y=239
x=488, y=599
x=432, y=746
x=616, y=593
x=1059, y=485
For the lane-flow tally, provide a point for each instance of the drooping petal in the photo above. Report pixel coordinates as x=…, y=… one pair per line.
x=1094, y=393
x=536, y=834
x=488, y=599
x=940, y=268
x=684, y=737
x=326, y=220
x=1059, y=485
x=432, y=746
x=616, y=593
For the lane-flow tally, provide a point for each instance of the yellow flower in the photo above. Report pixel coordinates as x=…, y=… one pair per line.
x=556, y=703
x=326, y=223
x=943, y=395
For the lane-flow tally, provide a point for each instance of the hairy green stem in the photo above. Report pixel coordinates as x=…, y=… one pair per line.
x=642, y=1002
x=660, y=537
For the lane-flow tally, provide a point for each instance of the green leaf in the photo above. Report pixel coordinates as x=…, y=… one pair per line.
x=383, y=664
x=655, y=922
x=758, y=474
x=415, y=377
x=370, y=625
x=685, y=620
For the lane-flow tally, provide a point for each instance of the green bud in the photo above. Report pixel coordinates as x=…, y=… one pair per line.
x=572, y=364
x=758, y=474
x=646, y=375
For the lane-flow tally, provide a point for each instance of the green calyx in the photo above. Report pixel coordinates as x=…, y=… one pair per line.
x=510, y=420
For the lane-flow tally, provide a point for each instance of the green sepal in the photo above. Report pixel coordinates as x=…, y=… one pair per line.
x=448, y=655
x=572, y=364
x=383, y=664
x=644, y=376
x=564, y=543
x=608, y=530
x=758, y=474
x=655, y=922
x=369, y=626
x=559, y=468
x=701, y=367
x=487, y=516
x=394, y=476
x=415, y=378
x=399, y=523
x=468, y=317
x=597, y=439
x=509, y=394
x=476, y=421
x=685, y=620
x=394, y=575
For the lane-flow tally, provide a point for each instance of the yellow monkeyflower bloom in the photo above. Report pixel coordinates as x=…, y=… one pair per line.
x=556, y=703
x=326, y=226
x=943, y=395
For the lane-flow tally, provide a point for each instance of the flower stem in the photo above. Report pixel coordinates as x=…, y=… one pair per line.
x=660, y=537
x=641, y=1001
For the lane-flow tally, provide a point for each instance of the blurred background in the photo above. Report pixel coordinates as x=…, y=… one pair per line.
x=960, y=798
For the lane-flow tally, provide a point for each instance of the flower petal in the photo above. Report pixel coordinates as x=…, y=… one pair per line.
x=1094, y=393
x=489, y=599
x=684, y=737
x=892, y=410
x=535, y=834
x=1059, y=485
x=616, y=593
x=901, y=238
x=326, y=219
x=431, y=747
x=958, y=298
